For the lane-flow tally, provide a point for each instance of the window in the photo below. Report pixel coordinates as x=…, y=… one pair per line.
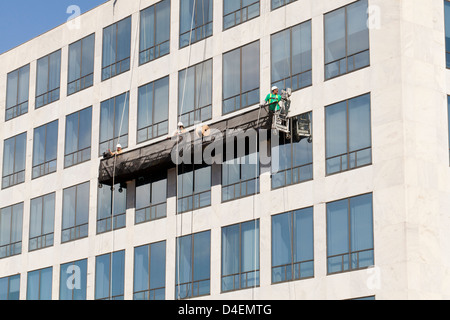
x=14, y=155
x=447, y=31
x=114, y=123
x=116, y=48
x=348, y=134
x=350, y=234
x=75, y=212
x=153, y=110
x=81, y=65
x=11, y=230
x=150, y=272
x=17, y=92
x=39, y=284
x=154, y=32
x=73, y=281
x=195, y=94
x=78, y=137
x=109, y=276
x=346, y=39
x=294, y=158
x=10, y=288
x=241, y=78
x=292, y=246
x=240, y=177
x=42, y=218
x=240, y=256
x=151, y=198
x=292, y=57
x=275, y=4
x=193, y=272
x=104, y=215
x=196, y=23
x=48, y=79
x=238, y=11
x=45, y=149
x=194, y=187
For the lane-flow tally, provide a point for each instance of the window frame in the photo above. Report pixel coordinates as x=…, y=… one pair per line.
x=154, y=124
x=191, y=285
x=193, y=37
x=192, y=168
x=285, y=3
x=240, y=274
x=298, y=76
x=156, y=206
x=75, y=227
x=240, y=11
x=110, y=276
x=42, y=235
x=50, y=91
x=15, y=175
x=348, y=152
x=346, y=57
x=16, y=246
x=256, y=181
x=155, y=31
x=82, y=79
x=196, y=108
x=349, y=253
x=123, y=139
x=116, y=218
x=79, y=153
x=293, y=234
x=84, y=283
x=116, y=63
x=154, y=290
x=241, y=94
x=17, y=108
x=50, y=269
x=45, y=167
x=9, y=293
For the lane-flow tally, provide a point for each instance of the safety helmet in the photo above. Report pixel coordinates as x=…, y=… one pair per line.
x=119, y=146
x=180, y=124
x=274, y=88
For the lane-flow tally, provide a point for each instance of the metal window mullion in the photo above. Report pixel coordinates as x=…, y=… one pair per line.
x=240, y=78
x=18, y=82
x=154, y=30
x=48, y=77
x=348, y=136
x=192, y=267
x=76, y=202
x=78, y=131
x=149, y=268
x=240, y=255
x=349, y=236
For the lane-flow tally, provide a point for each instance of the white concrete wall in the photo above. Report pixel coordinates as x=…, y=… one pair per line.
x=409, y=177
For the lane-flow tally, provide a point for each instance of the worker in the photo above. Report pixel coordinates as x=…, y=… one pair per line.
x=110, y=154
x=273, y=99
x=180, y=129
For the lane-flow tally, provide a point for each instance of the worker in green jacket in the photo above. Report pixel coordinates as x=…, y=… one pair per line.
x=272, y=100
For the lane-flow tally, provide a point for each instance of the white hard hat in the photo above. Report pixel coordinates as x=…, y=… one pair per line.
x=180, y=124
x=274, y=88
x=119, y=146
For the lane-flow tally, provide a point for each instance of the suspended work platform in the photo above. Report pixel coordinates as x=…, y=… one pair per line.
x=155, y=157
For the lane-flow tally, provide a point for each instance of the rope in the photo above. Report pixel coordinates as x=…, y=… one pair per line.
x=178, y=142
x=115, y=154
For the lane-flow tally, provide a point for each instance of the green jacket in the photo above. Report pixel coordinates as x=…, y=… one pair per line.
x=272, y=100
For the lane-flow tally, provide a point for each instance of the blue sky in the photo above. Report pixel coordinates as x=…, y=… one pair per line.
x=22, y=20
